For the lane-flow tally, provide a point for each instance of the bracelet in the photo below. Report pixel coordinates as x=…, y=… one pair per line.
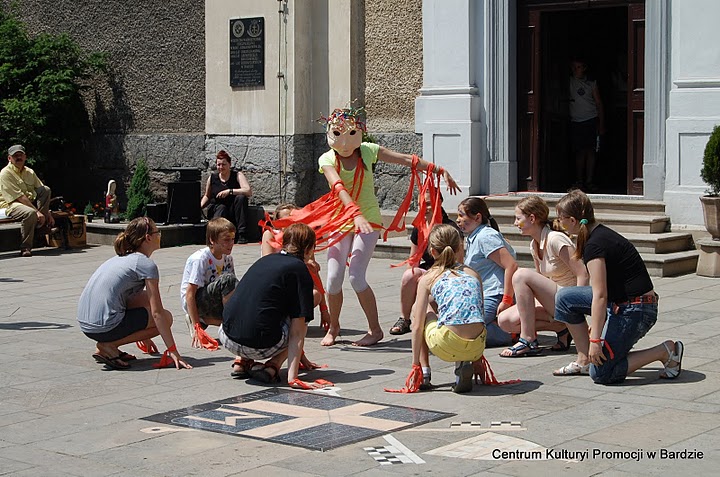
x=231, y=192
x=323, y=306
x=599, y=340
x=440, y=171
x=507, y=299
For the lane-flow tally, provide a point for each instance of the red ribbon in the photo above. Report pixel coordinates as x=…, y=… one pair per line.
x=165, y=359
x=206, y=341
x=483, y=374
x=412, y=383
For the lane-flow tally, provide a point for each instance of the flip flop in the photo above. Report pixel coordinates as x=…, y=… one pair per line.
x=114, y=363
x=126, y=356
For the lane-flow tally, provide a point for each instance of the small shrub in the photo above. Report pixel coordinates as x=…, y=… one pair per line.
x=139, y=195
x=710, y=171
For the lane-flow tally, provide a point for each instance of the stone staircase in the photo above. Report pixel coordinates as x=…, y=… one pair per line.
x=643, y=222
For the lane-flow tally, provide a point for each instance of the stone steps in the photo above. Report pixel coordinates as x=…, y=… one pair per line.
x=643, y=222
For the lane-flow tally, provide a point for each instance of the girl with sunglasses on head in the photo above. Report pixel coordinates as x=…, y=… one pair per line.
x=620, y=301
x=121, y=303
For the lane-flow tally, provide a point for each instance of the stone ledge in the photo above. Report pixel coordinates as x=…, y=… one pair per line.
x=100, y=233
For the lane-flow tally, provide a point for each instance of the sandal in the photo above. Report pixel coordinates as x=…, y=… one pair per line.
x=676, y=355
x=259, y=372
x=573, y=369
x=114, y=363
x=400, y=327
x=561, y=344
x=522, y=348
x=244, y=371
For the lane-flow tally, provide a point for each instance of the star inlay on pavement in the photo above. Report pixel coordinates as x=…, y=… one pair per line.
x=311, y=420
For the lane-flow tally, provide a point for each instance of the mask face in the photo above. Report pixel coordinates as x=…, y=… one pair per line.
x=344, y=132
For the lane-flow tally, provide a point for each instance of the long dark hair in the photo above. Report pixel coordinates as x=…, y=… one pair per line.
x=476, y=205
x=577, y=205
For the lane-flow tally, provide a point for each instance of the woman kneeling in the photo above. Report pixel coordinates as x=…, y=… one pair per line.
x=451, y=326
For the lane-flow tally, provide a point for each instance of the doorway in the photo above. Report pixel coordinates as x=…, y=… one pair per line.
x=607, y=36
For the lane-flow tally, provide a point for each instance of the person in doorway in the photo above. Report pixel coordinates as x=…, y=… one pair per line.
x=587, y=123
x=227, y=192
x=24, y=197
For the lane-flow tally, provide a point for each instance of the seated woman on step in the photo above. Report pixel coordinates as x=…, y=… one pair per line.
x=555, y=267
x=620, y=300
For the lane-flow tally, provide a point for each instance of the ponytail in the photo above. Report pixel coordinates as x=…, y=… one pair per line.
x=577, y=205
x=129, y=240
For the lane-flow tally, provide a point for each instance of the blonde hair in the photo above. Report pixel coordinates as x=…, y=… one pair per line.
x=577, y=205
x=445, y=240
x=129, y=240
x=217, y=227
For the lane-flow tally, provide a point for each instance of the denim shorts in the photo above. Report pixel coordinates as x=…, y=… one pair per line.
x=623, y=328
x=496, y=336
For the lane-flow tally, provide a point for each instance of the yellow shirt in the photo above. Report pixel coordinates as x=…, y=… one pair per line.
x=14, y=183
x=367, y=201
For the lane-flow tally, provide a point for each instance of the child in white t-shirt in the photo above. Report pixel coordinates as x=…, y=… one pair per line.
x=209, y=279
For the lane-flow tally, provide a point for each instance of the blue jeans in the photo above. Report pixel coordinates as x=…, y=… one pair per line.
x=624, y=327
x=496, y=336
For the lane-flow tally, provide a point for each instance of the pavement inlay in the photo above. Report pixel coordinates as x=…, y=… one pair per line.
x=313, y=421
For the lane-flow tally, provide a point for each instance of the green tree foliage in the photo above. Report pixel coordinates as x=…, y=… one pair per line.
x=710, y=171
x=40, y=82
x=139, y=195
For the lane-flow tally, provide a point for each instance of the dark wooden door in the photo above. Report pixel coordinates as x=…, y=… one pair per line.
x=636, y=98
x=529, y=63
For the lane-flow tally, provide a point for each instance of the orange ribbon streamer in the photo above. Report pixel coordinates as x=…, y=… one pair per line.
x=206, y=341
x=165, y=359
x=412, y=383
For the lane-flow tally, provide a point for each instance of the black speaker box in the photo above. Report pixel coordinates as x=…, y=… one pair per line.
x=183, y=203
x=158, y=212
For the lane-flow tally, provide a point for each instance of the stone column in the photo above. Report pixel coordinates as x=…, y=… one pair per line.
x=449, y=108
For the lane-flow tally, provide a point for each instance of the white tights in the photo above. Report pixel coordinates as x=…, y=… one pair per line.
x=363, y=246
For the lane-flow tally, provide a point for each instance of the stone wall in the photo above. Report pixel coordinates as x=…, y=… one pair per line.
x=152, y=102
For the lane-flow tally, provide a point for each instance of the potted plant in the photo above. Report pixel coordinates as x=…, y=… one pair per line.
x=710, y=174
x=89, y=212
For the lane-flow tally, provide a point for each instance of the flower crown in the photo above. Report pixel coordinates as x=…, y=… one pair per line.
x=343, y=120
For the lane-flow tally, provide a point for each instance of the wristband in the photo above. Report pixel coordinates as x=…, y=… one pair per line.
x=323, y=306
x=507, y=299
x=440, y=171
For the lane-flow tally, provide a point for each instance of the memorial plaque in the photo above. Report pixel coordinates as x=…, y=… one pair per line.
x=247, y=52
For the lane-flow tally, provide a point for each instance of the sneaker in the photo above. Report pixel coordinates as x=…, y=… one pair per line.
x=426, y=386
x=463, y=377
x=25, y=253
x=241, y=240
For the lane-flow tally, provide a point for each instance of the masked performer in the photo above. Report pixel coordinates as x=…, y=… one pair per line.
x=348, y=168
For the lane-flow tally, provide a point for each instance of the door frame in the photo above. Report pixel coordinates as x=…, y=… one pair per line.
x=501, y=93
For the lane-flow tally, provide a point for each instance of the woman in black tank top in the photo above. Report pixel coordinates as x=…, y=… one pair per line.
x=227, y=192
